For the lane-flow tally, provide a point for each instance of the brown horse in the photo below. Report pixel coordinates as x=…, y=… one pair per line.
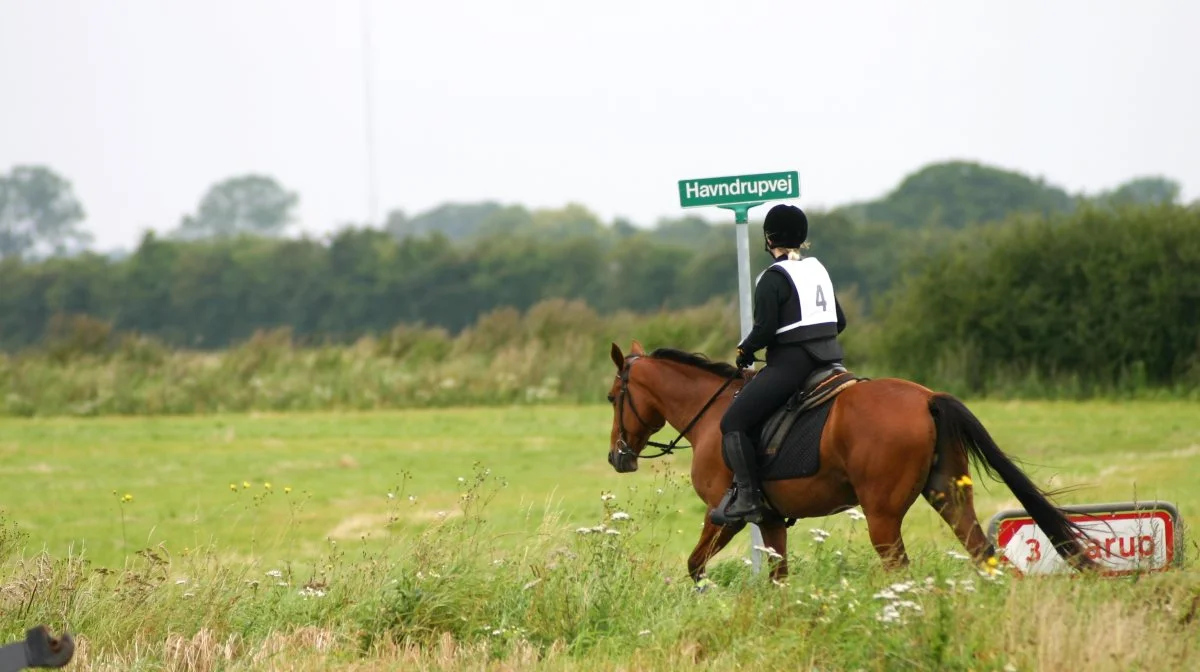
x=886, y=442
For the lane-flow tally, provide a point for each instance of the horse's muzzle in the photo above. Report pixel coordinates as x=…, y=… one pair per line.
x=622, y=459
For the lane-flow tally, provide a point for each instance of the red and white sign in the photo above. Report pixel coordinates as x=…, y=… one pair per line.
x=1121, y=542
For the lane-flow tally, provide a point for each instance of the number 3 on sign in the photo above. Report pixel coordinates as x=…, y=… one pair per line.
x=821, y=299
x=1035, y=550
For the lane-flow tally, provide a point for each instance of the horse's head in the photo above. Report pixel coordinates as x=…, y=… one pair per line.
x=636, y=416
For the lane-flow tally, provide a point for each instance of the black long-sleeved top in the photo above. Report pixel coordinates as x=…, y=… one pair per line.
x=772, y=290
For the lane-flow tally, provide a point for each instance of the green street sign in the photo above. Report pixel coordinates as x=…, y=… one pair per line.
x=739, y=189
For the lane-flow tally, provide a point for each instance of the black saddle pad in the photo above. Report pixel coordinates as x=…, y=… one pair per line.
x=799, y=452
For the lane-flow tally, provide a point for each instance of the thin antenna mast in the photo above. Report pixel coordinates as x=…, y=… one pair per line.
x=369, y=120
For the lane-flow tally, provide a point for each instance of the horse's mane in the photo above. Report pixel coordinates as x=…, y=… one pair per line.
x=697, y=360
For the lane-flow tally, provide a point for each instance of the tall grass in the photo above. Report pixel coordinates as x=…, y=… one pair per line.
x=600, y=596
x=555, y=352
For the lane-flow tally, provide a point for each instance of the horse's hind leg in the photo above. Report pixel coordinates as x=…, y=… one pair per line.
x=954, y=500
x=712, y=539
x=884, y=529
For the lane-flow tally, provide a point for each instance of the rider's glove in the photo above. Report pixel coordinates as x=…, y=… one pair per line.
x=744, y=359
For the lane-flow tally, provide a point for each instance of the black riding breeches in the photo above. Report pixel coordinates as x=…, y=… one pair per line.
x=786, y=370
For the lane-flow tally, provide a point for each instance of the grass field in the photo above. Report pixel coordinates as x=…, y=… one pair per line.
x=447, y=538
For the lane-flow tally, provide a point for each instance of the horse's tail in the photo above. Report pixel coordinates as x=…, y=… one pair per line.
x=958, y=427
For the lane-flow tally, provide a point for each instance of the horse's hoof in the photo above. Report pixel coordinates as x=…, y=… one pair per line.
x=703, y=586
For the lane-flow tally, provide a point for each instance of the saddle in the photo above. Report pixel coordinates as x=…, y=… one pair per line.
x=815, y=395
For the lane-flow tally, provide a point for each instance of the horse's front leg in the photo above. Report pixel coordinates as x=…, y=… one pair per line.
x=712, y=539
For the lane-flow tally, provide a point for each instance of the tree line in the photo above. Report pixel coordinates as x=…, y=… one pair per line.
x=959, y=261
x=211, y=293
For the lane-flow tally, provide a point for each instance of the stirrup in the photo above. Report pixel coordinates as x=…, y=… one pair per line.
x=720, y=515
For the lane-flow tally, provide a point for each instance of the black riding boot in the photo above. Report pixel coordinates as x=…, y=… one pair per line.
x=746, y=494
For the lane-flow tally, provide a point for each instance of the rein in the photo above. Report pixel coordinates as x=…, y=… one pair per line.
x=667, y=448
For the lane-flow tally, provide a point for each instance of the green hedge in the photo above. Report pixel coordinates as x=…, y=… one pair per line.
x=1075, y=304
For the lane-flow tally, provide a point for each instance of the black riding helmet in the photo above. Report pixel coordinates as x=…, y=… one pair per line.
x=785, y=226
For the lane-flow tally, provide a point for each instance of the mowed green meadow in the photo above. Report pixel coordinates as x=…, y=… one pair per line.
x=369, y=475
x=509, y=487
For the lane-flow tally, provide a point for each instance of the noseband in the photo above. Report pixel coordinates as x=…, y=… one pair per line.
x=667, y=448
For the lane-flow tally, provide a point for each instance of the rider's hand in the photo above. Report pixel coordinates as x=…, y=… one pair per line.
x=744, y=359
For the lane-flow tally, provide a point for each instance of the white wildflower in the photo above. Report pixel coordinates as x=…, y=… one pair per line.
x=391, y=495
x=659, y=491
x=889, y=614
x=958, y=556
x=308, y=592
x=643, y=633
x=583, y=530
x=180, y=582
x=531, y=584
x=461, y=479
x=901, y=587
x=884, y=595
x=275, y=573
x=612, y=531
x=620, y=515
x=769, y=551
x=607, y=497
x=855, y=514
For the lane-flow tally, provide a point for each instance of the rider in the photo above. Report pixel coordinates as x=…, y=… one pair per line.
x=793, y=320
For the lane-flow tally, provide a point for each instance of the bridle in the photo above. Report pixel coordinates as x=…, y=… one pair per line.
x=667, y=448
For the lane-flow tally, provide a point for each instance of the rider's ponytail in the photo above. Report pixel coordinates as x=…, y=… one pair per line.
x=793, y=253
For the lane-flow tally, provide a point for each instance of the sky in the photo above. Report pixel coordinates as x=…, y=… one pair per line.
x=144, y=104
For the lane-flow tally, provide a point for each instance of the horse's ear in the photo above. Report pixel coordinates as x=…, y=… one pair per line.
x=617, y=357
x=637, y=348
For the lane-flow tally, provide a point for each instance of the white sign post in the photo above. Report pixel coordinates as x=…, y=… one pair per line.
x=739, y=193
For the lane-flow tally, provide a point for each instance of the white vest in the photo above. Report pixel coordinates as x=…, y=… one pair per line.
x=814, y=290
